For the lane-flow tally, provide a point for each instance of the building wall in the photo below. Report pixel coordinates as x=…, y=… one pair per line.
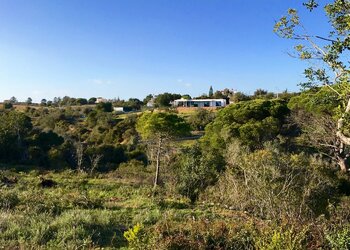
x=198, y=103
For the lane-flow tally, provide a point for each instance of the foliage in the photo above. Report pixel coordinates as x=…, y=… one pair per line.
x=157, y=130
x=211, y=92
x=8, y=105
x=239, y=97
x=283, y=238
x=339, y=239
x=195, y=172
x=201, y=118
x=104, y=106
x=14, y=128
x=332, y=69
x=161, y=124
x=271, y=184
x=253, y=122
x=163, y=100
x=132, y=234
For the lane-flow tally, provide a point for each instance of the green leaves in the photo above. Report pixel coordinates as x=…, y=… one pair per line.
x=311, y=5
x=253, y=122
x=285, y=27
x=327, y=52
x=162, y=124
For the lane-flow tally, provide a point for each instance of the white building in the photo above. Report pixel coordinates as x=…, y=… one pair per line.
x=100, y=99
x=122, y=109
x=200, y=103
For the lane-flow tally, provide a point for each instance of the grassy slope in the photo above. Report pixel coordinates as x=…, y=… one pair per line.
x=86, y=212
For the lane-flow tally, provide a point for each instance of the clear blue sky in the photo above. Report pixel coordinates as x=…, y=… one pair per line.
x=130, y=48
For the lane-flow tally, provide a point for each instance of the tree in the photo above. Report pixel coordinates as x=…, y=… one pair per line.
x=252, y=122
x=211, y=92
x=43, y=102
x=104, y=106
x=157, y=130
x=219, y=95
x=196, y=172
x=201, y=118
x=238, y=97
x=328, y=55
x=260, y=93
x=81, y=101
x=92, y=100
x=29, y=101
x=164, y=100
x=8, y=105
x=133, y=103
x=14, y=128
x=187, y=97
x=13, y=100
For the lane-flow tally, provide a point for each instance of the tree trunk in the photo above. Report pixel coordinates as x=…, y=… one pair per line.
x=156, y=178
x=343, y=138
x=342, y=164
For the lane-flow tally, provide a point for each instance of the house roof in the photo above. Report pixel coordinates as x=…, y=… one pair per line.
x=199, y=100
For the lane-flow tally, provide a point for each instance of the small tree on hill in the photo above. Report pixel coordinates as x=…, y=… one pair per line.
x=29, y=101
x=157, y=130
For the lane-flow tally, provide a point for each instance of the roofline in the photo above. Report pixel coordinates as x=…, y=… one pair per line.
x=204, y=100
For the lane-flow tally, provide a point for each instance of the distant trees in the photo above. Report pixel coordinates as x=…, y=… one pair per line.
x=164, y=100
x=260, y=92
x=157, y=130
x=43, y=102
x=92, y=100
x=238, y=97
x=13, y=100
x=147, y=99
x=133, y=103
x=187, y=97
x=81, y=101
x=104, y=106
x=29, y=101
x=211, y=92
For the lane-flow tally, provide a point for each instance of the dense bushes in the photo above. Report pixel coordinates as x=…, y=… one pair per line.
x=239, y=187
x=14, y=128
x=195, y=172
x=275, y=185
x=54, y=138
x=253, y=122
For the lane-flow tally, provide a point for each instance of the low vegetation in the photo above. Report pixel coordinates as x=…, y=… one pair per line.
x=269, y=171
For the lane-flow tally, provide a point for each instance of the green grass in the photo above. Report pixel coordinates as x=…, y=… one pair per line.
x=93, y=212
x=82, y=211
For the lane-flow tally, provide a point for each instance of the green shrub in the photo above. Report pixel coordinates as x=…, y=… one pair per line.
x=278, y=238
x=8, y=199
x=339, y=238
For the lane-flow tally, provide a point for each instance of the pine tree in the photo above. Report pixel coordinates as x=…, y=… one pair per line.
x=211, y=92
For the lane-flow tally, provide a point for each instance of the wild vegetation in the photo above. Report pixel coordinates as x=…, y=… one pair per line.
x=269, y=171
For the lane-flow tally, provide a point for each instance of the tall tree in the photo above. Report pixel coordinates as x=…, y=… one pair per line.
x=211, y=91
x=328, y=54
x=157, y=130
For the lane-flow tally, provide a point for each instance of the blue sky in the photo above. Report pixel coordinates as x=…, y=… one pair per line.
x=130, y=48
